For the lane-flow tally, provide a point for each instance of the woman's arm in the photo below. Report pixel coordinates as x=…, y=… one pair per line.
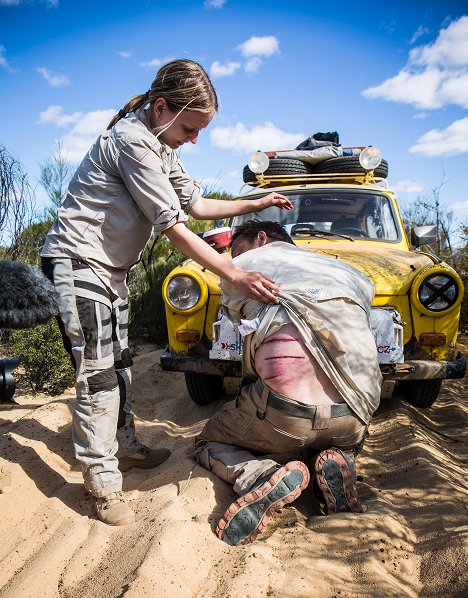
x=213, y=209
x=254, y=284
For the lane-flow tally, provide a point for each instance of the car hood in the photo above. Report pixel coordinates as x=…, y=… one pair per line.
x=392, y=270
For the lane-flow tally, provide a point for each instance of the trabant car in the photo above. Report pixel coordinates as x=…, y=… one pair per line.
x=343, y=208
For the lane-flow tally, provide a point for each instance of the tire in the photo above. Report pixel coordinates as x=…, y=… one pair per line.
x=202, y=388
x=420, y=393
x=347, y=164
x=280, y=166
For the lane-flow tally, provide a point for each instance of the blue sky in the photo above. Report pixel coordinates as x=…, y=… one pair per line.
x=393, y=75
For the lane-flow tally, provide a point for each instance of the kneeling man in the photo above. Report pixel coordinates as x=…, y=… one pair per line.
x=311, y=383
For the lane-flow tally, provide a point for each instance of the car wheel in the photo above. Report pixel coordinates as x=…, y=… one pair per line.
x=202, y=388
x=420, y=393
x=348, y=164
x=279, y=166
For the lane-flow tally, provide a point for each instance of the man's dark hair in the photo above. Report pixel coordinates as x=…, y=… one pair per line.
x=251, y=228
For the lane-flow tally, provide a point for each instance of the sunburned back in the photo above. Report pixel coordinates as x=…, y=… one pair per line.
x=286, y=365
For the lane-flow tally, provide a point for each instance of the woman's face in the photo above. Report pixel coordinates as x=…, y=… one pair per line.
x=186, y=126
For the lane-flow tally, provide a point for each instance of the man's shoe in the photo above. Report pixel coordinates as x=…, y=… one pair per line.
x=335, y=475
x=144, y=457
x=249, y=514
x=113, y=510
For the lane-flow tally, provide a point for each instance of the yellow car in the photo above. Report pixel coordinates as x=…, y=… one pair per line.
x=345, y=211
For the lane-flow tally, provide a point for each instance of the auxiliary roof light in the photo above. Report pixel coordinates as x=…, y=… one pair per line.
x=258, y=162
x=370, y=158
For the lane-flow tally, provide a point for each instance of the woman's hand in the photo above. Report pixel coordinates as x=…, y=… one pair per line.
x=256, y=285
x=274, y=199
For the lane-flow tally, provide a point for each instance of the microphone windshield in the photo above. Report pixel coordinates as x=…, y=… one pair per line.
x=27, y=297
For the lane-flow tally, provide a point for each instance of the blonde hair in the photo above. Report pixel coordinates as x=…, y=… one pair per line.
x=181, y=83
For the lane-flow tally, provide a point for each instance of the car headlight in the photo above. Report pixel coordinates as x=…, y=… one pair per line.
x=259, y=162
x=370, y=158
x=185, y=293
x=436, y=291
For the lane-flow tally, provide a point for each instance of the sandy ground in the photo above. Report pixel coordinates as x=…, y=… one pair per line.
x=410, y=542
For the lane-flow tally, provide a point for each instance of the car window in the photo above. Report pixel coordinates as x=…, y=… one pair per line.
x=360, y=215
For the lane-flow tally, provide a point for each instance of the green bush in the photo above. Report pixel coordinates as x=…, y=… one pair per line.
x=45, y=363
x=147, y=316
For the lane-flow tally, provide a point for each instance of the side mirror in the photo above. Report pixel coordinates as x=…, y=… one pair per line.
x=423, y=235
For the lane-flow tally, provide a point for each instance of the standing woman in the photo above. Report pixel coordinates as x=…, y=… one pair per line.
x=130, y=182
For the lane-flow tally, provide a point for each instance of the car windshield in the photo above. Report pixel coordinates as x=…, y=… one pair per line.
x=356, y=215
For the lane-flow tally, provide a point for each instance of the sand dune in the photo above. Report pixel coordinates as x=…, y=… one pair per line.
x=411, y=541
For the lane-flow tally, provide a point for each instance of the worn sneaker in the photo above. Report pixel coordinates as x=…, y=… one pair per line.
x=113, y=510
x=335, y=475
x=144, y=457
x=249, y=514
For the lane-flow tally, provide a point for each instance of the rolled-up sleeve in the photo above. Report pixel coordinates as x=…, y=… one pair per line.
x=149, y=181
x=188, y=191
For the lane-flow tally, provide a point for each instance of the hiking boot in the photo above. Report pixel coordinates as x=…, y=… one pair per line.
x=113, y=510
x=144, y=457
x=335, y=474
x=249, y=514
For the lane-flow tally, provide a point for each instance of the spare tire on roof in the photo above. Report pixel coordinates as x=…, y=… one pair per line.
x=348, y=164
x=280, y=166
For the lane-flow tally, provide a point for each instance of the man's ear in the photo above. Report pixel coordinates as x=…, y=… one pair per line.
x=262, y=238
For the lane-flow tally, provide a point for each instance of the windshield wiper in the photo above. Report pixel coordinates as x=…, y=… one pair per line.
x=315, y=232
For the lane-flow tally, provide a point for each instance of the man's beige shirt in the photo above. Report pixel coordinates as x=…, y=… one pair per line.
x=128, y=183
x=320, y=296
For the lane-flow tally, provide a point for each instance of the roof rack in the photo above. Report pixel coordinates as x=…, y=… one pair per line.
x=292, y=179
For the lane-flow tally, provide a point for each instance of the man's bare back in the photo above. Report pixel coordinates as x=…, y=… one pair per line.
x=285, y=364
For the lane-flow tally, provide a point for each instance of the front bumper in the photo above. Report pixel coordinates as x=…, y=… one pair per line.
x=416, y=369
x=196, y=364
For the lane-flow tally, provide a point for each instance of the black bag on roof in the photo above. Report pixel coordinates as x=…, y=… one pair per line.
x=319, y=140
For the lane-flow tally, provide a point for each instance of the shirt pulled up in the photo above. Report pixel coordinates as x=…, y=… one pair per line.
x=319, y=295
x=127, y=184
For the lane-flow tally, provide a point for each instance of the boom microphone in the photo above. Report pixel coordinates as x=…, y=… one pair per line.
x=27, y=297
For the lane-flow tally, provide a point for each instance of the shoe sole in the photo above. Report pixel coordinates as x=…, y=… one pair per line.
x=126, y=465
x=248, y=516
x=334, y=479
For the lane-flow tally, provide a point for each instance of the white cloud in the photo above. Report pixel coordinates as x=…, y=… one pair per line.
x=4, y=64
x=156, y=62
x=435, y=75
x=408, y=186
x=18, y=2
x=54, y=115
x=189, y=148
x=53, y=80
x=125, y=54
x=409, y=88
x=449, y=49
x=233, y=174
x=214, y=3
x=461, y=206
x=444, y=142
x=240, y=138
x=420, y=31
x=86, y=126
x=217, y=69
x=252, y=64
x=255, y=49
x=266, y=45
